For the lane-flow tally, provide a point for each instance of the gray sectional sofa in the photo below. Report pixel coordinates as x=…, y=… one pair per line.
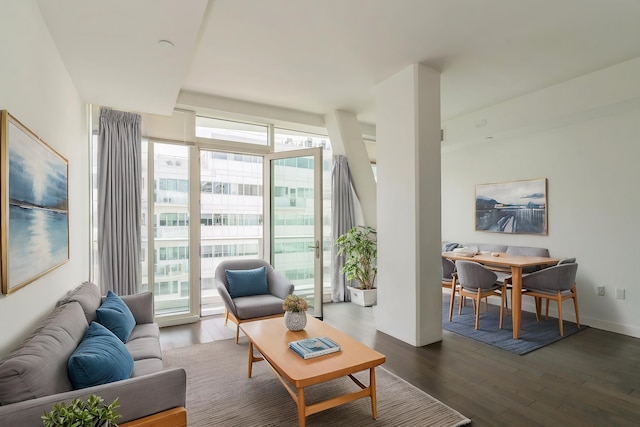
x=34, y=376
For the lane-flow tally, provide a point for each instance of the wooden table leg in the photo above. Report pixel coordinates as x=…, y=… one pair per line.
x=301, y=408
x=516, y=300
x=372, y=386
x=250, y=358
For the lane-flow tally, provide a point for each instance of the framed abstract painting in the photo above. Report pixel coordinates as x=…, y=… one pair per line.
x=512, y=207
x=34, y=213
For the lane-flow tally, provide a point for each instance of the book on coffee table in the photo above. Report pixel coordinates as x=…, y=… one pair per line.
x=313, y=347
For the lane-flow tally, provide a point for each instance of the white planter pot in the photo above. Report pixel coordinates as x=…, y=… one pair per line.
x=363, y=297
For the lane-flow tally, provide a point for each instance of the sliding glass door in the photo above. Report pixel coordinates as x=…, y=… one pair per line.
x=294, y=182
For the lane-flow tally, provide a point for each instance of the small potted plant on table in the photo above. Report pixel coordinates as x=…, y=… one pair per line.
x=360, y=248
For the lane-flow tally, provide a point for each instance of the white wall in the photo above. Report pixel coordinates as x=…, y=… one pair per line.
x=584, y=137
x=35, y=88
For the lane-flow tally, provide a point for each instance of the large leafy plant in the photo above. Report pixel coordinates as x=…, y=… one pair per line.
x=360, y=248
x=92, y=412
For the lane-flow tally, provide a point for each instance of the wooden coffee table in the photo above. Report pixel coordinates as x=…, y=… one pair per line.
x=271, y=338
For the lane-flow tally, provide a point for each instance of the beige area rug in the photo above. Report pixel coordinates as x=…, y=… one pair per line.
x=220, y=394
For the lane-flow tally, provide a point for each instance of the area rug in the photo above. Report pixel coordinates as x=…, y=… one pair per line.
x=533, y=334
x=220, y=394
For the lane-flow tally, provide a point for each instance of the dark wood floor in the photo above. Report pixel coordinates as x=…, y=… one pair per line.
x=588, y=379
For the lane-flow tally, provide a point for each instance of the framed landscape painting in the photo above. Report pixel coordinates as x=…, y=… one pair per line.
x=512, y=207
x=34, y=214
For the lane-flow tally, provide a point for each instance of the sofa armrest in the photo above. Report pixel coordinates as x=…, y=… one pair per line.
x=279, y=285
x=135, y=397
x=141, y=306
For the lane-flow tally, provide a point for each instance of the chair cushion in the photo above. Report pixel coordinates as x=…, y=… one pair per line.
x=258, y=306
x=244, y=283
x=116, y=316
x=99, y=359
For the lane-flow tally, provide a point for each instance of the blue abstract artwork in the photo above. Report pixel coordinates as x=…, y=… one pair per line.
x=512, y=207
x=37, y=205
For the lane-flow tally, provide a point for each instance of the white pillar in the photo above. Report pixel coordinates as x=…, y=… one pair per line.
x=346, y=139
x=408, y=158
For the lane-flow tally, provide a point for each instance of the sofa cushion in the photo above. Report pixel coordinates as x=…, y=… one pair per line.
x=116, y=316
x=145, y=330
x=146, y=367
x=144, y=348
x=88, y=296
x=243, y=283
x=99, y=359
x=39, y=367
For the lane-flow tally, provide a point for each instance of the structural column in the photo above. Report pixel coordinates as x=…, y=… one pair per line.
x=346, y=139
x=408, y=204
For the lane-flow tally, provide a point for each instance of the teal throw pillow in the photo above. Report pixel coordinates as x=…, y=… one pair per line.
x=99, y=359
x=244, y=283
x=116, y=316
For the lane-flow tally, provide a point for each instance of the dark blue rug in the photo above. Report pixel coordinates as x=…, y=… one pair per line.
x=533, y=334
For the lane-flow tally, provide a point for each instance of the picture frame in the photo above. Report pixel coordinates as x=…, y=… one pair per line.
x=514, y=207
x=34, y=212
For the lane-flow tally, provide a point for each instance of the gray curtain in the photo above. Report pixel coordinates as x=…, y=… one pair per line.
x=342, y=220
x=119, y=182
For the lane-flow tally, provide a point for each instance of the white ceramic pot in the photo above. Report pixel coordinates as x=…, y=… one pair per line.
x=364, y=297
x=295, y=320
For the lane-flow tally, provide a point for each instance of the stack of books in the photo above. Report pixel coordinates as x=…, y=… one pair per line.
x=314, y=347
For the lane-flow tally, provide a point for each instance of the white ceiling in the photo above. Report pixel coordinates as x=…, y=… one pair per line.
x=322, y=55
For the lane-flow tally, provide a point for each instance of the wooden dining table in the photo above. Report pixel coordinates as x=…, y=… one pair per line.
x=504, y=261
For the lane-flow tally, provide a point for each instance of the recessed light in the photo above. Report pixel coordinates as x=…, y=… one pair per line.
x=166, y=44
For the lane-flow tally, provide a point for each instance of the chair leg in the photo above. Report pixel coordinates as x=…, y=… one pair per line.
x=575, y=305
x=479, y=299
x=453, y=297
x=559, y=299
x=486, y=304
x=462, y=299
x=226, y=316
x=503, y=299
x=546, y=315
x=237, y=332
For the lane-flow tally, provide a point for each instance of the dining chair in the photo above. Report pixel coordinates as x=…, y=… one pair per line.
x=477, y=282
x=556, y=283
x=448, y=268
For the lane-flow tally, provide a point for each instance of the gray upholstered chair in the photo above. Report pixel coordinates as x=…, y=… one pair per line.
x=556, y=283
x=476, y=282
x=249, y=307
x=448, y=267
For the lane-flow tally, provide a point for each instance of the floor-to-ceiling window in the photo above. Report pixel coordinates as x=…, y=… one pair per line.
x=229, y=214
x=171, y=248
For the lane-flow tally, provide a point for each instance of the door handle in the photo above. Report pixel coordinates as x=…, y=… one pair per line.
x=316, y=247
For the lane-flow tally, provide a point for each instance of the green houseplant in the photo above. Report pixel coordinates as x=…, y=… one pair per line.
x=360, y=248
x=92, y=412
